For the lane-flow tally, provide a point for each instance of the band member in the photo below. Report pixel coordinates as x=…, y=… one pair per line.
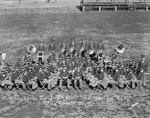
x=128, y=75
x=25, y=78
x=88, y=65
x=78, y=77
x=101, y=74
x=64, y=59
x=78, y=62
x=41, y=51
x=32, y=79
x=113, y=55
x=18, y=64
x=118, y=50
x=83, y=50
x=15, y=75
x=52, y=80
x=98, y=77
x=38, y=66
x=2, y=64
x=64, y=77
x=121, y=69
x=3, y=75
x=72, y=50
x=108, y=68
x=97, y=71
x=81, y=62
x=45, y=82
x=51, y=58
x=140, y=76
x=91, y=51
x=106, y=79
x=26, y=57
x=63, y=48
x=100, y=49
x=116, y=75
x=130, y=64
x=54, y=66
x=143, y=65
x=52, y=48
x=22, y=80
x=135, y=70
x=40, y=77
x=60, y=65
x=81, y=59
x=3, y=56
x=94, y=67
x=133, y=79
x=70, y=68
x=7, y=82
x=73, y=59
x=7, y=68
x=68, y=59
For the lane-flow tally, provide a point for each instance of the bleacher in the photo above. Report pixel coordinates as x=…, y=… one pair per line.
x=109, y=4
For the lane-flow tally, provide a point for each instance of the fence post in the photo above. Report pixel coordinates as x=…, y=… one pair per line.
x=115, y=8
x=16, y=10
x=58, y=10
x=83, y=8
x=47, y=10
x=146, y=8
x=26, y=11
x=5, y=11
x=100, y=8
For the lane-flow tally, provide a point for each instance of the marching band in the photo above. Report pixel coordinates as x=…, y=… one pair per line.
x=89, y=66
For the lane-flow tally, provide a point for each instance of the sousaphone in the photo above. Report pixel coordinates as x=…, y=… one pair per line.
x=120, y=49
x=31, y=49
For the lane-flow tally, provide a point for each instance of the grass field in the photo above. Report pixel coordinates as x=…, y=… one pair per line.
x=129, y=28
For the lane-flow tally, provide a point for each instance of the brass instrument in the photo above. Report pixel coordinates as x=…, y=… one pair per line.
x=31, y=49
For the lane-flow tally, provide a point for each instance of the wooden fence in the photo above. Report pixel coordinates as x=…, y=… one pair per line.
x=37, y=10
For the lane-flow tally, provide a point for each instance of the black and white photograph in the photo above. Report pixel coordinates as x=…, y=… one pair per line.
x=74, y=58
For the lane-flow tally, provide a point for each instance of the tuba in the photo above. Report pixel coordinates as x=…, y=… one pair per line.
x=31, y=49
x=120, y=49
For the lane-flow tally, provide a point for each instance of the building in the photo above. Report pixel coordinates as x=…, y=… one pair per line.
x=88, y=5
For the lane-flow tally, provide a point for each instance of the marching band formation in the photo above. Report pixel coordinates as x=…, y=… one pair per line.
x=73, y=68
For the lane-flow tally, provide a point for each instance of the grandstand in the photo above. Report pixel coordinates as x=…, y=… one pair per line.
x=89, y=5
